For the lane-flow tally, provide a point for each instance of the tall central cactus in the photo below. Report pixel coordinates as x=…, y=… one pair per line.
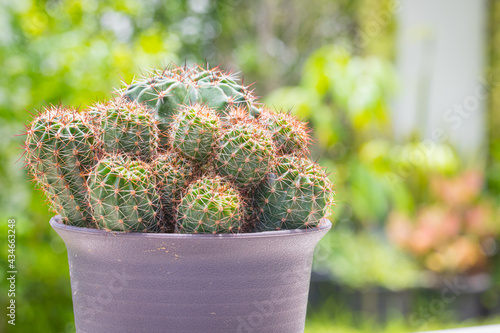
x=166, y=91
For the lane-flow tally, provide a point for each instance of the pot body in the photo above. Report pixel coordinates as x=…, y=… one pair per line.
x=138, y=282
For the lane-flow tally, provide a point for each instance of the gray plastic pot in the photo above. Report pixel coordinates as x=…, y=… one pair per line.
x=138, y=282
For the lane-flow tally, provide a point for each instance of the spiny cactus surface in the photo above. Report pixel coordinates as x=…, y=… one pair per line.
x=172, y=173
x=210, y=205
x=290, y=135
x=194, y=132
x=221, y=90
x=186, y=149
x=296, y=195
x=60, y=149
x=127, y=128
x=244, y=154
x=165, y=91
x=124, y=196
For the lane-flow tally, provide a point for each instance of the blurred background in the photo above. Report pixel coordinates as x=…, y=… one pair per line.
x=403, y=98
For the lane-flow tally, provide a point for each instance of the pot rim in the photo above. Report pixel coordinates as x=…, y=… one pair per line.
x=55, y=222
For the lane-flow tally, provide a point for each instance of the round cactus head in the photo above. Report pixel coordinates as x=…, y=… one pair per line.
x=194, y=131
x=172, y=173
x=127, y=128
x=123, y=195
x=59, y=150
x=297, y=194
x=210, y=205
x=290, y=135
x=244, y=154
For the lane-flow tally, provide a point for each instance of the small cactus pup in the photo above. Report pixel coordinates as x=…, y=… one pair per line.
x=297, y=194
x=210, y=206
x=124, y=196
x=59, y=151
x=195, y=129
x=127, y=128
x=289, y=134
x=172, y=173
x=244, y=154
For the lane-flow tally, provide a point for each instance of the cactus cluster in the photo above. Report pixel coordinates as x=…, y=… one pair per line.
x=186, y=149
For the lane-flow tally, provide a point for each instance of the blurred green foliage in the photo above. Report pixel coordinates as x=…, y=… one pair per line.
x=75, y=51
x=378, y=179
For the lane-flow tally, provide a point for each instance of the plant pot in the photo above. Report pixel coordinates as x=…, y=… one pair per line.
x=139, y=282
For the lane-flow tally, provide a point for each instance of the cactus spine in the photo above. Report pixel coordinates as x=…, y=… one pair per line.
x=60, y=149
x=296, y=195
x=244, y=154
x=166, y=91
x=194, y=131
x=290, y=135
x=172, y=173
x=184, y=149
x=127, y=128
x=163, y=92
x=210, y=205
x=123, y=195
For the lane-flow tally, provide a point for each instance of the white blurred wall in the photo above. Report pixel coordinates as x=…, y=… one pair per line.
x=441, y=53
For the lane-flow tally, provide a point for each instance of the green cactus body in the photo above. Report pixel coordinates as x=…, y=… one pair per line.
x=164, y=92
x=244, y=154
x=210, y=205
x=296, y=195
x=172, y=173
x=290, y=135
x=194, y=132
x=220, y=90
x=124, y=196
x=60, y=149
x=127, y=128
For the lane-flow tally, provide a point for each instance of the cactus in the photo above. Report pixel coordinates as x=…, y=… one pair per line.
x=194, y=132
x=60, y=149
x=210, y=205
x=172, y=174
x=127, y=128
x=244, y=154
x=296, y=195
x=185, y=149
x=124, y=196
x=166, y=91
x=290, y=135
x=163, y=92
x=220, y=90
